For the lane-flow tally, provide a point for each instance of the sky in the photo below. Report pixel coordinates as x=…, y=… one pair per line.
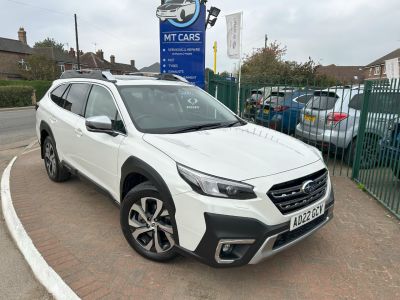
x=341, y=32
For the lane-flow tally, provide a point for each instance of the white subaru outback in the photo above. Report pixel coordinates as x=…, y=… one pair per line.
x=189, y=175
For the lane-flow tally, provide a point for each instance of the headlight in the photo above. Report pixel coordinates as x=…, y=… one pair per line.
x=214, y=186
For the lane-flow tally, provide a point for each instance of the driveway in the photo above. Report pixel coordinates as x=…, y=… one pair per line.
x=356, y=256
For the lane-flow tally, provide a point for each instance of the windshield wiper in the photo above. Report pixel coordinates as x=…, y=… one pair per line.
x=234, y=123
x=197, y=127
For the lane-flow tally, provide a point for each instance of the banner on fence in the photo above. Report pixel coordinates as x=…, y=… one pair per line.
x=233, y=24
x=392, y=68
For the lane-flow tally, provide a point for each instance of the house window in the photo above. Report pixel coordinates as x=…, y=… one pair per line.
x=370, y=71
x=377, y=70
x=62, y=68
x=384, y=70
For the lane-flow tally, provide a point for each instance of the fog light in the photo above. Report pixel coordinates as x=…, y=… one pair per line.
x=227, y=248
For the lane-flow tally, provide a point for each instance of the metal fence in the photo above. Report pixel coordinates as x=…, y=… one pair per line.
x=357, y=127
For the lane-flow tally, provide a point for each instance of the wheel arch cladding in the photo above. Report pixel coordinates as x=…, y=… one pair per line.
x=138, y=170
x=45, y=131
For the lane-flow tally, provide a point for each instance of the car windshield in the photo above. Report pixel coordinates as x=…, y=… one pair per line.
x=166, y=109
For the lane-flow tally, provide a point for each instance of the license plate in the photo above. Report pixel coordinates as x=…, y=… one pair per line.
x=309, y=118
x=266, y=111
x=307, y=216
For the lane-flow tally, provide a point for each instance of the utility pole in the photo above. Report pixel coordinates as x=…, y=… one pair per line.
x=266, y=41
x=77, y=43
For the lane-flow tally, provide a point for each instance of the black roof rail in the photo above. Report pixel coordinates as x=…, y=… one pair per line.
x=160, y=76
x=89, y=74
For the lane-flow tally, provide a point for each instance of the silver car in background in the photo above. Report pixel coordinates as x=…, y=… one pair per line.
x=330, y=121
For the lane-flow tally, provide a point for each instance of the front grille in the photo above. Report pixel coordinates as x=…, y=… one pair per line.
x=289, y=196
x=290, y=236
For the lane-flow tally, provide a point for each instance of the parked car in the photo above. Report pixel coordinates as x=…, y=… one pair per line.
x=390, y=146
x=281, y=111
x=189, y=175
x=254, y=102
x=330, y=120
x=179, y=10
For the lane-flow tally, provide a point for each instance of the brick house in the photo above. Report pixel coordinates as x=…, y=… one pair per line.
x=13, y=55
x=63, y=59
x=377, y=69
x=96, y=61
x=343, y=74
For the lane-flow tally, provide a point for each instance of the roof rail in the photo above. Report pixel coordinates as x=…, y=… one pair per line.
x=160, y=76
x=87, y=73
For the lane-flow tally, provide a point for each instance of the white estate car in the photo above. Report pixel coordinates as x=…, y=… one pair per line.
x=189, y=175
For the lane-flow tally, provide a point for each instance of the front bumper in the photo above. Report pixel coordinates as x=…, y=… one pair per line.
x=255, y=240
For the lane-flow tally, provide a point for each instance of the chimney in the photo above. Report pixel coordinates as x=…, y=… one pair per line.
x=100, y=54
x=112, y=59
x=133, y=63
x=72, y=52
x=22, y=35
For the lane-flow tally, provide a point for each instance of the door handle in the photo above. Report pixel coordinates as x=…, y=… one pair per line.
x=78, y=132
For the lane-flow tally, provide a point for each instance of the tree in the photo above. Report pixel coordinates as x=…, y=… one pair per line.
x=40, y=68
x=49, y=42
x=269, y=64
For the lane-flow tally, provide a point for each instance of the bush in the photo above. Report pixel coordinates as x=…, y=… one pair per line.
x=15, y=96
x=40, y=86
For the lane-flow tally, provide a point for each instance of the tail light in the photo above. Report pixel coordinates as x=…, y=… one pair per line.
x=336, y=117
x=281, y=108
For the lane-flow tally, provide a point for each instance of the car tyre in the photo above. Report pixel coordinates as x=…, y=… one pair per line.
x=55, y=170
x=370, y=152
x=146, y=223
x=182, y=16
x=396, y=169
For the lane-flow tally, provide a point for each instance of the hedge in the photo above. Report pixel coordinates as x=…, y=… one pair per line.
x=40, y=86
x=15, y=96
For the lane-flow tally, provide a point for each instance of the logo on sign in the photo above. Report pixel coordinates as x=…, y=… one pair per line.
x=180, y=13
x=308, y=187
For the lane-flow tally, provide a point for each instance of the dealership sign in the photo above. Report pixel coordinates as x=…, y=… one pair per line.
x=182, y=39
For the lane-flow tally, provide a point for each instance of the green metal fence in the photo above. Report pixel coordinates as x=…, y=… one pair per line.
x=379, y=138
x=356, y=127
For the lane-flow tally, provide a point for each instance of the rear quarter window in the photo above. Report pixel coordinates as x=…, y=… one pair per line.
x=57, y=94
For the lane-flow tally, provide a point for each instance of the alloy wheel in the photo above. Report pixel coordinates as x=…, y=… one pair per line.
x=50, y=159
x=151, y=226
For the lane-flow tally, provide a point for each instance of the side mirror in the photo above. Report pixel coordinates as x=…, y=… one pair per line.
x=99, y=124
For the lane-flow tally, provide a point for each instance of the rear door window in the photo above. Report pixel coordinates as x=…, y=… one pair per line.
x=76, y=98
x=323, y=101
x=57, y=95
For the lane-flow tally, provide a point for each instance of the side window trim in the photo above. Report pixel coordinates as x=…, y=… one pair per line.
x=115, y=103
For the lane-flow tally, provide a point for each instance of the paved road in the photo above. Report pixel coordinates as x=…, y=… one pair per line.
x=16, y=128
x=16, y=278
